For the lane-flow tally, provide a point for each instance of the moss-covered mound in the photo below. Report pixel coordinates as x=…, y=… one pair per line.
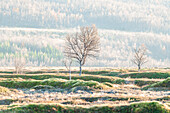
x=147, y=75
x=60, y=83
x=152, y=107
x=163, y=84
x=74, y=77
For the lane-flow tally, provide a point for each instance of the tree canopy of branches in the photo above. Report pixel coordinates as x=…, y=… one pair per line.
x=82, y=45
x=140, y=57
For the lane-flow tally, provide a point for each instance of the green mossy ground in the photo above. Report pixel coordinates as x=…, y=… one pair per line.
x=59, y=83
x=149, y=75
x=152, y=107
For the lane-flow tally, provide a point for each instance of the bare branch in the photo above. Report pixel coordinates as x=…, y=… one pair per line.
x=82, y=45
x=140, y=57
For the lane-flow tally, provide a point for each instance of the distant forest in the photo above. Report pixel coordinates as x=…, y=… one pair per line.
x=133, y=15
x=36, y=29
x=45, y=47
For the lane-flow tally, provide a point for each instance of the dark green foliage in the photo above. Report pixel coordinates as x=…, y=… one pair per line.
x=152, y=107
x=147, y=75
x=8, y=72
x=164, y=98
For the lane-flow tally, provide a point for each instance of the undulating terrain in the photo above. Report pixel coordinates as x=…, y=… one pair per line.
x=98, y=89
x=32, y=37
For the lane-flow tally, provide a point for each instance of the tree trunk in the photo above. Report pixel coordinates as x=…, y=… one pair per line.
x=80, y=70
x=138, y=68
x=70, y=73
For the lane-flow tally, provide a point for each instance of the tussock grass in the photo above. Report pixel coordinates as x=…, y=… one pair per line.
x=43, y=87
x=149, y=75
x=61, y=83
x=4, y=90
x=74, y=77
x=153, y=107
x=97, y=78
x=143, y=82
x=162, y=84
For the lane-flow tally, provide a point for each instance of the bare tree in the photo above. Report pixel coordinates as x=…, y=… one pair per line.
x=19, y=64
x=140, y=57
x=67, y=63
x=19, y=61
x=82, y=45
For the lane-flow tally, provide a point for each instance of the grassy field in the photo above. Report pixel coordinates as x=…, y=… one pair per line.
x=104, y=90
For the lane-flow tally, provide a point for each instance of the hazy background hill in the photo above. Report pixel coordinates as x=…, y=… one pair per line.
x=123, y=24
x=128, y=15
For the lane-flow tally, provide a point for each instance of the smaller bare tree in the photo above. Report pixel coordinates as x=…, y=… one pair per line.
x=67, y=63
x=19, y=64
x=140, y=57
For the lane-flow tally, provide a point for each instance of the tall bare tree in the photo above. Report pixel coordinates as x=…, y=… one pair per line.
x=82, y=45
x=140, y=57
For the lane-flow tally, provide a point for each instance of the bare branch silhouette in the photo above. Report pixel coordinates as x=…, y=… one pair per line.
x=140, y=57
x=82, y=45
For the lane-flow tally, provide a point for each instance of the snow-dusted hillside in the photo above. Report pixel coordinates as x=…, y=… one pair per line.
x=43, y=47
x=124, y=15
